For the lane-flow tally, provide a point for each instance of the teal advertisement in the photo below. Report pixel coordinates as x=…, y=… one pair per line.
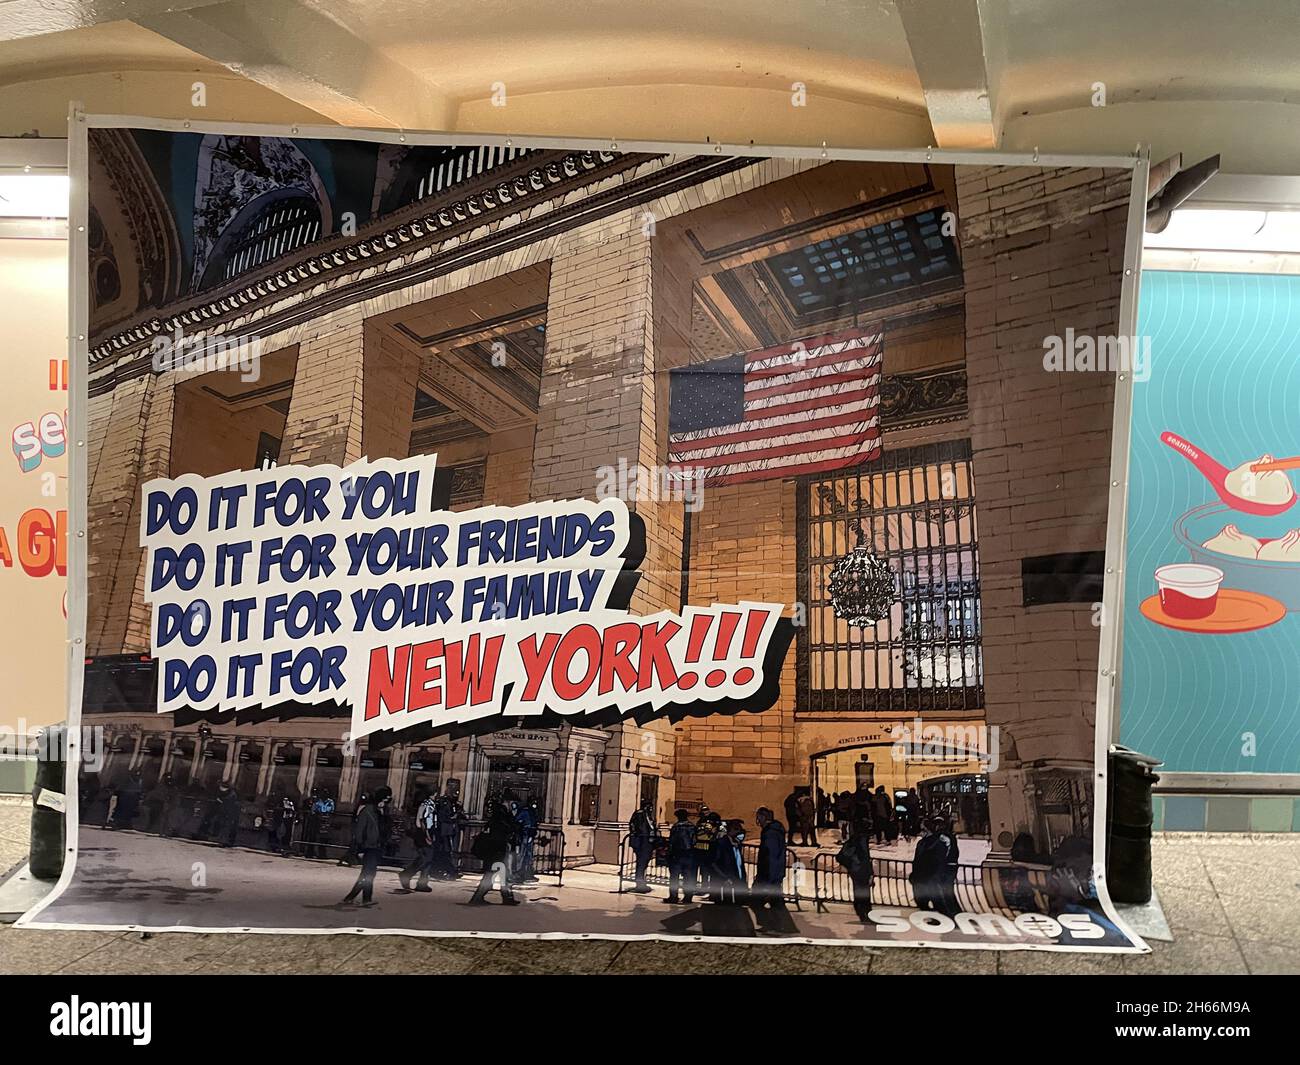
x=1211, y=677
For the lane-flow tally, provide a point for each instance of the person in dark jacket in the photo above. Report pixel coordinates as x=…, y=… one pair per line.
x=368, y=839
x=128, y=800
x=451, y=820
x=791, y=807
x=681, y=858
x=929, y=867
x=855, y=857
x=882, y=812
x=227, y=814
x=526, y=817
x=424, y=824
x=728, y=865
x=641, y=833
x=768, y=888
x=493, y=848
x=912, y=814
x=948, y=877
x=707, y=830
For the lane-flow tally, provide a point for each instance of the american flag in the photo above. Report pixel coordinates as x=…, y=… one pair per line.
x=761, y=415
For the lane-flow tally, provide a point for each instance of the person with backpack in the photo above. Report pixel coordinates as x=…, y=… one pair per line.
x=641, y=837
x=368, y=836
x=493, y=847
x=730, y=888
x=707, y=830
x=423, y=827
x=451, y=820
x=527, y=820
x=855, y=857
x=681, y=858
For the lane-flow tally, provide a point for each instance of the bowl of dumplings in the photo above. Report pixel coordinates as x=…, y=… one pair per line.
x=1256, y=554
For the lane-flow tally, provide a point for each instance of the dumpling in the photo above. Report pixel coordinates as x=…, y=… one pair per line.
x=1284, y=549
x=1232, y=541
x=1266, y=486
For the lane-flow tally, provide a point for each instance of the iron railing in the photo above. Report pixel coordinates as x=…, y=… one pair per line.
x=657, y=872
x=1005, y=890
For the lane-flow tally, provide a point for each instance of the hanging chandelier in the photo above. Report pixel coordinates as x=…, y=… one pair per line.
x=861, y=586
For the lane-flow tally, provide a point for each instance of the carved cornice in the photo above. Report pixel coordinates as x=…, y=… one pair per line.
x=908, y=400
x=126, y=355
x=424, y=223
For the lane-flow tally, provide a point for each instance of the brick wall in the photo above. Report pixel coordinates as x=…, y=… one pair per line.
x=743, y=547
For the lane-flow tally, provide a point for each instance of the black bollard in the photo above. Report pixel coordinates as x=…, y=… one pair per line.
x=48, y=804
x=1128, y=824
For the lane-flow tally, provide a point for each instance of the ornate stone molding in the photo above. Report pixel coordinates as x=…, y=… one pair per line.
x=396, y=234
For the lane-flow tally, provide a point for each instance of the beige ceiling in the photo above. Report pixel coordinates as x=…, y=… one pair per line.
x=1187, y=74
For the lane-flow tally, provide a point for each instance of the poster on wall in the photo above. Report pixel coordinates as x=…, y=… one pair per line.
x=1213, y=532
x=563, y=540
x=33, y=493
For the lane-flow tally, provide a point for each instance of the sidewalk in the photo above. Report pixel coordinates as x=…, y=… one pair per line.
x=1233, y=904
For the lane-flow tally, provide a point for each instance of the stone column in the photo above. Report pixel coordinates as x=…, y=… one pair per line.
x=1042, y=251
x=130, y=443
x=601, y=403
x=353, y=394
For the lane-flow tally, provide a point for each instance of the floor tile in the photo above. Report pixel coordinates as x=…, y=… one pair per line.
x=686, y=959
x=905, y=961
x=1271, y=814
x=1184, y=813
x=1271, y=959
x=1227, y=814
x=25, y=951
x=1190, y=952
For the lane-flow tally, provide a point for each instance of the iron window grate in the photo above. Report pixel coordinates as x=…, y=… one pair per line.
x=915, y=507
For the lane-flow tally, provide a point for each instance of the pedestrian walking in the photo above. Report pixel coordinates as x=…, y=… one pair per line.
x=493, y=847
x=368, y=836
x=855, y=857
x=929, y=868
x=423, y=828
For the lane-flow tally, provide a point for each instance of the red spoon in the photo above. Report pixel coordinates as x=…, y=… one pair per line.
x=1217, y=474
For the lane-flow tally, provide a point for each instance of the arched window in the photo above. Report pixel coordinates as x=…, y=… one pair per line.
x=274, y=225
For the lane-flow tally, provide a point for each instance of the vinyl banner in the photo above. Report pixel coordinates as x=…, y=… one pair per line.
x=556, y=540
